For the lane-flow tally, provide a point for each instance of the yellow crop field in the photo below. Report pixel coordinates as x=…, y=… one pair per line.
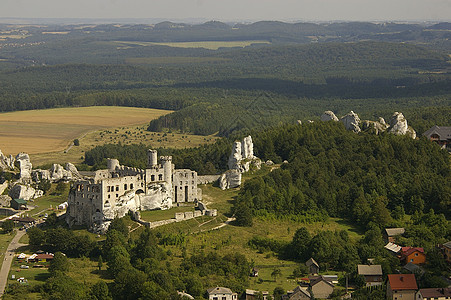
x=212, y=45
x=53, y=130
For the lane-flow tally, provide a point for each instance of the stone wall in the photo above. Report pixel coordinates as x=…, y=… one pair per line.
x=205, y=179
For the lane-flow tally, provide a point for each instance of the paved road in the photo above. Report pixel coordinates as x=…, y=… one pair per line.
x=9, y=256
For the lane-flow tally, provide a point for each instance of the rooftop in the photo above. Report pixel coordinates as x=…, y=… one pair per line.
x=409, y=250
x=393, y=247
x=220, y=290
x=402, y=282
x=436, y=292
x=395, y=231
x=369, y=269
x=443, y=132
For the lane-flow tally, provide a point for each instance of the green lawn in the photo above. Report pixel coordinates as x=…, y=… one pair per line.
x=158, y=215
x=5, y=239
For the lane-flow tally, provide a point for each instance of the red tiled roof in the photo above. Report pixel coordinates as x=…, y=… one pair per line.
x=402, y=282
x=409, y=250
x=44, y=256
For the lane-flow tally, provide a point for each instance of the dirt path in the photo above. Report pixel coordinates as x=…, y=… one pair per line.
x=9, y=256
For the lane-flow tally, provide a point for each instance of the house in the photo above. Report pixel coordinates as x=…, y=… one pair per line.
x=413, y=268
x=441, y=135
x=391, y=233
x=251, y=294
x=414, y=255
x=19, y=204
x=221, y=293
x=24, y=221
x=434, y=294
x=313, y=266
x=446, y=248
x=401, y=287
x=372, y=274
x=298, y=293
x=321, y=288
x=44, y=257
x=393, y=248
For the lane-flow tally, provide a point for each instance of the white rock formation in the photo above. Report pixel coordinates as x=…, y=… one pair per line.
x=378, y=127
x=351, y=122
x=230, y=179
x=158, y=197
x=299, y=122
x=24, y=192
x=6, y=162
x=328, y=116
x=57, y=172
x=25, y=166
x=398, y=126
x=242, y=156
x=73, y=170
x=5, y=200
x=3, y=186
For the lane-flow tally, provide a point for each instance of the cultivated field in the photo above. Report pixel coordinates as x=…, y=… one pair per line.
x=38, y=131
x=212, y=45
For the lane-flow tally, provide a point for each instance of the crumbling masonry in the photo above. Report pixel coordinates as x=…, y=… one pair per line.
x=114, y=192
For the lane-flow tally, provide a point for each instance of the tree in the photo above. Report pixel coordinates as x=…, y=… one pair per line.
x=60, y=187
x=8, y=226
x=119, y=225
x=99, y=291
x=100, y=263
x=52, y=219
x=276, y=273
x=76, y=142
x=44, y=185
x=59, y=263
x=36, y=237
x=243, y=215
x=278, y=292
x=300, y=243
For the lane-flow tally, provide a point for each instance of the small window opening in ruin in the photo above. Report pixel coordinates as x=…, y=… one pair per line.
x=117, y=195
x=109, y=196
x=181, y=187
x=125, y=186
x=142, y=184
x=186, y=174
x=131, y=186
x=97, y=210
x=192, y=174
x=192, y=182
x=117, y=188
x=108, y=189
x=152, y=177
x=181, y=182
x=160, y=177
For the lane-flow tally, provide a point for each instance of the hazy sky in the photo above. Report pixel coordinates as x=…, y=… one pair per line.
x=231, y=9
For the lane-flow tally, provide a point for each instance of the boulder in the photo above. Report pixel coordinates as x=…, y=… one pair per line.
x=351, y=122
x=25, y=166
x=230, y=179
x=39, y=175
x=3, y=187
x=73, y=170
x=24, y=192
x=299, y=122
x=5, y=200
x=398, y=126
x=269, y=163
x=6, y=162
x=57, y=172
x=328, y=116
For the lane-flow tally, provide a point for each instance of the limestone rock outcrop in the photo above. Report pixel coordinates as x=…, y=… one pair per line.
x=230, y=179
x=57, y=173
x=351, y=122
x=3, y=187
x=25, y=166
x=242, y=156
x=398, y=126
x=158, y=197
x=377, y=126
x=24, y=192
x=5, y=200
x=6, y=162
x=328, y=116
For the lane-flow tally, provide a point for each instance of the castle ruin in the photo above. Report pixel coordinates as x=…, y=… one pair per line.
x=114, y=192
